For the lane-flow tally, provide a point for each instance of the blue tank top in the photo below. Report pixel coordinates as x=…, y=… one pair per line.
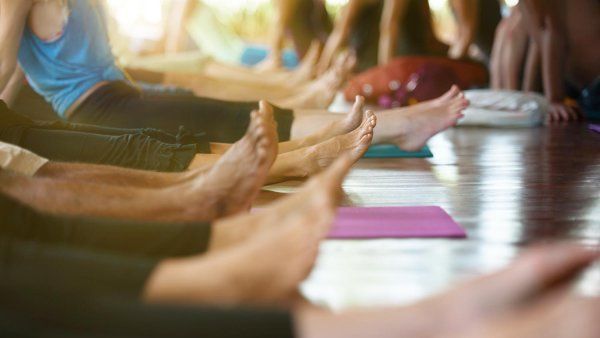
x=64, y=69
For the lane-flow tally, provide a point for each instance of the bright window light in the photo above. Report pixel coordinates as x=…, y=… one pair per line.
x=142, y=19
x=437, y=5
x=512, y=3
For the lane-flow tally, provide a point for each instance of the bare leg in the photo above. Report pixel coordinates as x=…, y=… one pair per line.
x=292, y=93
x=408, y=128
x=308, y=161
x=277, y=251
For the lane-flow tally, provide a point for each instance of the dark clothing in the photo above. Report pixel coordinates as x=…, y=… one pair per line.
x=147, y=149
x=417, y=36
x=31, y=264
x=121, y=105
x=69, y=277
x=589, y=100
x=146, y=239
x=39, y=313
x=99, y=256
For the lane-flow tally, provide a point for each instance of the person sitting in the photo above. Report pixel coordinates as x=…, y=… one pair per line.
x=105, y=96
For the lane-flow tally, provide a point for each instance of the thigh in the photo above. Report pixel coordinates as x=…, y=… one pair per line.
x=218, y=121
x=147, y=239
x=130, y=150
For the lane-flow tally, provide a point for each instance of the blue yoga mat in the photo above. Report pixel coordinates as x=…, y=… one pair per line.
x=254, y=54
x=391, y=151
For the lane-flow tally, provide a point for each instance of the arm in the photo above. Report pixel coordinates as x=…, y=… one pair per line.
x=393, y=10
x=115, y=176
x=465, y=12
x=286, y=9
x=12, y=89
x=532, y=68
x=546, y=27
x=340, y=33
x=176, y=31
x=12, y=22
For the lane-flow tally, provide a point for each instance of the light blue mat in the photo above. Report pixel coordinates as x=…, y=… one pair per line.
x=391, y=151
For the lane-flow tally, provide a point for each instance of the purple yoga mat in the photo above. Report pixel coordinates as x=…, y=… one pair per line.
x=595, y=127
x=395, y=222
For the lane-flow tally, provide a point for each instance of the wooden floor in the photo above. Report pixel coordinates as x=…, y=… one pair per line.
x=508, y=188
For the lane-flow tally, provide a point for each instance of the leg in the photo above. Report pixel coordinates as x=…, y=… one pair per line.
x=120, y=105
x=119, y=150
x=224, y=190
x=318, y=93
x=409, y=128
x=148, y=239
x=292, y=227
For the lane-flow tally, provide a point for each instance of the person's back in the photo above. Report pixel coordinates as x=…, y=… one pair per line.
x=62, y=66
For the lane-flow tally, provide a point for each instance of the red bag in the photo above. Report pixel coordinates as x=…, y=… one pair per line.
x=414, y=79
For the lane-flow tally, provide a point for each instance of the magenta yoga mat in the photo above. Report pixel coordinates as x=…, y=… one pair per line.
x=395, y=222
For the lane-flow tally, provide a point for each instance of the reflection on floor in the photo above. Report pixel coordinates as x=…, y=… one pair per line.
x=509, y=188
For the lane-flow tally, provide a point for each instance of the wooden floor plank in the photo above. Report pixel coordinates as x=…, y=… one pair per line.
x=509, y=188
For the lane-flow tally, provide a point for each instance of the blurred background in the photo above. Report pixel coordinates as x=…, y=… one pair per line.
x=221, y=29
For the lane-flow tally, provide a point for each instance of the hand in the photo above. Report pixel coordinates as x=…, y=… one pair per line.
x=561, y=112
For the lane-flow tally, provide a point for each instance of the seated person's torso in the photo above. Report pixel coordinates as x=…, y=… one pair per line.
x=65, y=50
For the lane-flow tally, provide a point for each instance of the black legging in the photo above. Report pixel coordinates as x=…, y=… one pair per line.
x=148, y=239
x=29, y=312
x=121, y=105
x=146, y=149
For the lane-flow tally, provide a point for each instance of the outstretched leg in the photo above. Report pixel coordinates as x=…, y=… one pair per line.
x=277, y=251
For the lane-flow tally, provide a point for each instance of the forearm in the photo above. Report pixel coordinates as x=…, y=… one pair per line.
x=115, y=176
x=79, y=199
x=553, y=63
x=467, y=18
x=532, y=68
x=393, y=11
x=176, y=26
x=285, y=14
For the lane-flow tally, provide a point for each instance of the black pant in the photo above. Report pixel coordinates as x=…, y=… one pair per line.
x=101, y=256
x=148, y=239
x=120, y=105
x=147, y=149
x=30, y=312
x=69, y=277
x=61, y=268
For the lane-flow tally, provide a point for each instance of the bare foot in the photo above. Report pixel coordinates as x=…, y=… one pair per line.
x=356, y=142
x=411, y=128
x=233, y=183
x=305, y=162
x=319, y=93
x=237, y=229
x=335, y=128
x=267, y=264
